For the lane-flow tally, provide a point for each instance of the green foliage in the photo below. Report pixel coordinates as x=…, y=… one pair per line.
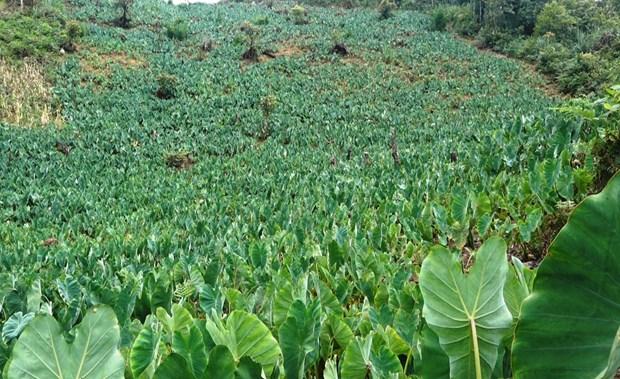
x=562, y=319
x=167, y=86
x=42, y=350
x=439, y=20
x=23, y=35
x=555, y=19
x=467, y=312
x=178, y=30
x=302, y=250
x=300, y=15
x=386, y=9
x=455, y=18
x=570, y=40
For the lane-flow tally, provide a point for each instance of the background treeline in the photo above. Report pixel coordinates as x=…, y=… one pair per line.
x=577, y=42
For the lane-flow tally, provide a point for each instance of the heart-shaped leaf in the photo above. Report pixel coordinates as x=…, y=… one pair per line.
x=42, y=351
x=467, y=311
x=299, y=336
x=13, y=327
x=245, y=335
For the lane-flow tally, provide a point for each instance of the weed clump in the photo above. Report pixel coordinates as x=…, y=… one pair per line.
x=24, y=36
x=268, y=104
x=251, y=34
x=386, y=9
x=167, y=87
x=74, y=32
x=124, y=21
x=178, y=30
x=300, y=15
x=180, y=161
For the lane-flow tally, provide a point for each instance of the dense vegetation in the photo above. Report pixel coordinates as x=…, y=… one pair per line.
x=243, y=190
x=576, y=42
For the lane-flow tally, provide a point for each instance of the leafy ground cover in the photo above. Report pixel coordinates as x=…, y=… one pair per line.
x=306, y=183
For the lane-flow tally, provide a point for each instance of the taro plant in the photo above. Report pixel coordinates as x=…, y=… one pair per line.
x=467, y=311
x=568, y=327
x=43, y=351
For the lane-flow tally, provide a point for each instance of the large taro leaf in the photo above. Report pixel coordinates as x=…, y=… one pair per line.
x=568, y=325
x=42, y=351
x=245, y=335
x=144, y=352
x=299, y=337
x=467, y=311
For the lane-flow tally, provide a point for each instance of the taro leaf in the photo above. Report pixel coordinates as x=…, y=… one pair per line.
x=33, y=296
x=361, y=358
x=180, y=319
x=71, y=293
x=434, y=363
x=282, y=302
x=211, y=298
x=331, y=371
x=299, y=337
x=42, y=351
x=245, y=335
x=467, y=312
x=15, y=325
x=568, y=325
x=174, y=366
x=248, y=369
x=336, y=253
x=340, y=331
x=328, y=300
x=144, y=351
x=614, y=360
x=518, y=286
x=531, y=223
x=221, y=363
x=189, y=344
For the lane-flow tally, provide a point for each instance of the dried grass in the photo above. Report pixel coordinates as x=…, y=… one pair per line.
x=25, y=96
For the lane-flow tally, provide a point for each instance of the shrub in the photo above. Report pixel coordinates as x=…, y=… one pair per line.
x=74, y=32
x=299, y=15
x=250, y=35
x=260, y=20
x=494, y=38
x=439, y=21
x=551, y=55
x=167, y=86
x=30, y=36
x=268, y=104
x=461, y=20
x=386, y=9
x=124, y=20
x=178, y=30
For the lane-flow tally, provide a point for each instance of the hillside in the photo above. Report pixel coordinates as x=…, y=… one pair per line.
x=256, y=161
